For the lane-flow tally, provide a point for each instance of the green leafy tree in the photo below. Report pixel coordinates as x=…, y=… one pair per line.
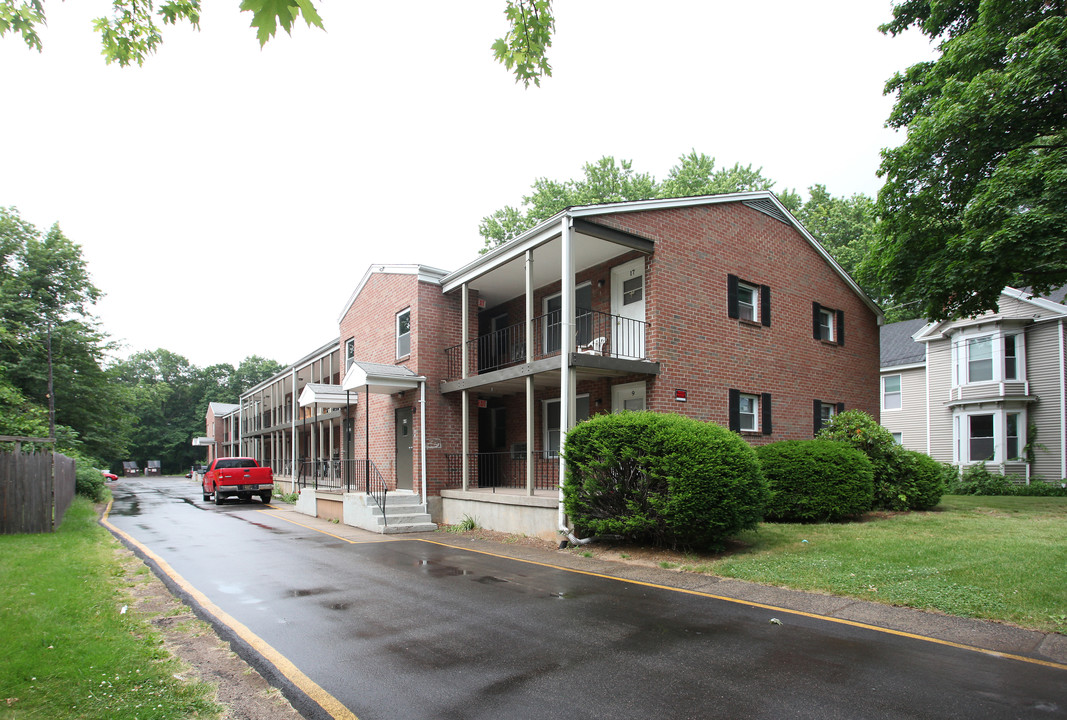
x=611, y=180
x=976, y=198
x=135, y=28
x=46, y=295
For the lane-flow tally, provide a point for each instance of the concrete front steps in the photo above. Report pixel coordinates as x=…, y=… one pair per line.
x=404, y=511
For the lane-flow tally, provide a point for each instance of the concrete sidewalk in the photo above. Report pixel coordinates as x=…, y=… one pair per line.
x=1047, y=648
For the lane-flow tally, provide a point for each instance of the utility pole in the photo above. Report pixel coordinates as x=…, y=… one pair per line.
x=51, y=391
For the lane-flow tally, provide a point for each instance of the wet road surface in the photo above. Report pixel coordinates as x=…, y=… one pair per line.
x=418, y=629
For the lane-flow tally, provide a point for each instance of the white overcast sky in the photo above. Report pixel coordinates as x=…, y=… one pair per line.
x=227, y=199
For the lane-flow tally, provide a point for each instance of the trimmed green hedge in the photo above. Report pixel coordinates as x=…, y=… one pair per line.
x=660, y=478
x=816, y=480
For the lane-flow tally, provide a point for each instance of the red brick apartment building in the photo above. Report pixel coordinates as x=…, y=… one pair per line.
x=722, y=308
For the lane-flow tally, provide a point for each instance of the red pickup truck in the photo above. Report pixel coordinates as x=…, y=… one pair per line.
x=237, y=477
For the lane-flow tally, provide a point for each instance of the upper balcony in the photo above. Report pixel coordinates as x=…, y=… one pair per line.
x=605, y=344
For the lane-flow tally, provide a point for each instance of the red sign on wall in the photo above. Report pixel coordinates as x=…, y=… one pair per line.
x=679, y=396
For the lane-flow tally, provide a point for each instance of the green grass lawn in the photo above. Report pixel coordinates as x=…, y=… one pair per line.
x=67, y=650
x=999, y=558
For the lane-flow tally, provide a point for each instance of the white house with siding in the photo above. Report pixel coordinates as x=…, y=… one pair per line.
x=989, y=389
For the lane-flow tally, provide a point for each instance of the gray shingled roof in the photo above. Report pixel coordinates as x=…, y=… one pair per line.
x=897, y=346
x=1059, y=295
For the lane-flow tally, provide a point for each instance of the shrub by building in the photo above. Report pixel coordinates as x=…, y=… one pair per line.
x=903, y=479
x=661, y=478
x=816, y=480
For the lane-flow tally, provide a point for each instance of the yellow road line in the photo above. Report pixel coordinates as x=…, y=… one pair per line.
x=309, y=527
x=775, y=608
x=328, y=702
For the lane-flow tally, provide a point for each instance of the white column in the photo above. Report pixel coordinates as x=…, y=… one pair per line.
x=529, y=378
x=292, y=449
x=422, y=436
x=464, y=324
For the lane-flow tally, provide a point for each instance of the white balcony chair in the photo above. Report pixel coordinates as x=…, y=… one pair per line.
x=596, y=347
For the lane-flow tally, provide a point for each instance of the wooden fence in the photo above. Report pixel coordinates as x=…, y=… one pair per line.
x=36, y=488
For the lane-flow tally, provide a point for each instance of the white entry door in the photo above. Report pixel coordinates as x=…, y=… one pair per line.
x=628, y=309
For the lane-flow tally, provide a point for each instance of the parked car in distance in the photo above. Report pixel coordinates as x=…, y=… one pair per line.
x=240, y=477
x=110, y=476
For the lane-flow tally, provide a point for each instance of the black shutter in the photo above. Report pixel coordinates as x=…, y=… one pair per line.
x=840, y=408
x=731, y=297
x=815, y=310
x=765, y=305
x=817, y=407
x=765, y=406
x=840, y=327
x=735, y=410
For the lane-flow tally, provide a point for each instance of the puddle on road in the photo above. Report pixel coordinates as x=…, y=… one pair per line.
x=436, y=569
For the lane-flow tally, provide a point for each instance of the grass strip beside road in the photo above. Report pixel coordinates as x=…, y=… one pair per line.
x=995, y=558
x=68, y=648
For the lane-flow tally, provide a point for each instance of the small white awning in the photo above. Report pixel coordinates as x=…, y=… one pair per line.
x=380, y=379
x=324, y=395
x=201, y=441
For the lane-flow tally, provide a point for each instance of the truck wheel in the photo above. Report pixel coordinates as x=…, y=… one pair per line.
x=218, y=497
x=207, y=496
x=265, y=497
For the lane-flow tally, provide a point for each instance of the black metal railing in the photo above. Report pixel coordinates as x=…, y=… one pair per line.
x=503, y=470
x=345, y=475
x=595, y=333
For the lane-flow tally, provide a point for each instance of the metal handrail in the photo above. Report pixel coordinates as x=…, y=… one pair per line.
x=347, y=475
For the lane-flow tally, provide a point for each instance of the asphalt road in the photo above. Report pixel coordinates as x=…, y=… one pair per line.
x=425, y=628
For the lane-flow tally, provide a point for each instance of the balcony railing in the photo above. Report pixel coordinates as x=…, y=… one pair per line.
x=502, y=470
x=595, y=333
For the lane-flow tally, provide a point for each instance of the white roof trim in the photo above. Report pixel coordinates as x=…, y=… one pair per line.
x=898, y=368
x=324, y=394
x=380, y=379
x=425, y=273
x=550, y=228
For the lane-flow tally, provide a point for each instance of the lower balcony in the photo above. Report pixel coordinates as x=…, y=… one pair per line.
x=503, y=471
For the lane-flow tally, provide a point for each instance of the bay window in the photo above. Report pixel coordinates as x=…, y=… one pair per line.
x=989, y=357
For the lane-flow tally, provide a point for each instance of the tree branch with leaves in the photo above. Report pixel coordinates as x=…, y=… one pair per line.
x=134, y=30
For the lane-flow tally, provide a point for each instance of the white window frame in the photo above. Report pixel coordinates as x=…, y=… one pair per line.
x=898, y=438
x=350, y=352
x=961, y=428
x=962, y=360
x=899, y=393
x=742, y=305
x=400, y=336
x=547, y=428
x=827, y=322
x=755, y=414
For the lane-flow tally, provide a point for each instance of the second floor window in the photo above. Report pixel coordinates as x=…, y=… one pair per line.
x=350, y=352
x=891, y=392
x=994, y=357
x=403, y=333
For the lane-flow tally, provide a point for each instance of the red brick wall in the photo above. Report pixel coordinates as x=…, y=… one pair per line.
x=435, y=326
x=705, y=352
